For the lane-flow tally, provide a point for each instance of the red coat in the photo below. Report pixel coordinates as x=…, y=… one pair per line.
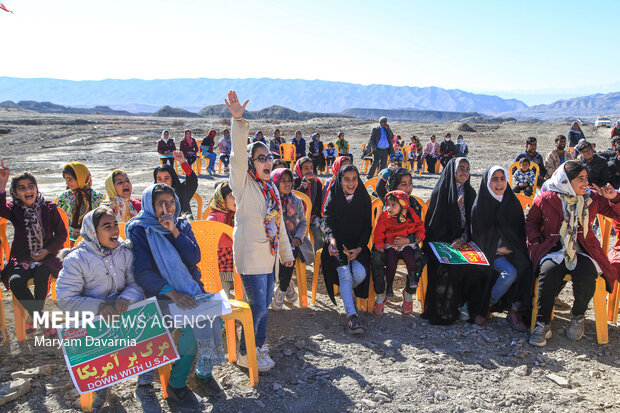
x=389, y=228
x=543, y=224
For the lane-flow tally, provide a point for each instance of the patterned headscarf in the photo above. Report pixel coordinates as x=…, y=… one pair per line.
x=82, y=194
x=403, y=199
x=218, y=202
x=274, y=212
x=123, y=209
x=576, y=212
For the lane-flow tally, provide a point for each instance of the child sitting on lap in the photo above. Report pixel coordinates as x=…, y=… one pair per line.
x=398, y=221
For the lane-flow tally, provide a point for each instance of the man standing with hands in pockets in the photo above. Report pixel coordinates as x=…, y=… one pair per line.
x=380, y=146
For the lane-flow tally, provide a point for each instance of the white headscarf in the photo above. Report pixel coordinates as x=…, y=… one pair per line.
x=162, y=136
x=494, y=169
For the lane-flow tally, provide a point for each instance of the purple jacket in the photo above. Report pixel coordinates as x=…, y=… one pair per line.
x=166, y=147
x=54, y=236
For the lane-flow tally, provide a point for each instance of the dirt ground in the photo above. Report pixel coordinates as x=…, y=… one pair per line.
x=399, y=364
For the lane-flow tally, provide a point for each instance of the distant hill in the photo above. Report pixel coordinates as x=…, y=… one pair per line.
x=48, y=107
x=169, y=111
x=584, y=107
x=410, y=115
x=273, y=112
x=300, y=95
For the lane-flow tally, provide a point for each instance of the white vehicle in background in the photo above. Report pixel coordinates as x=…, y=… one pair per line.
x=603, y=121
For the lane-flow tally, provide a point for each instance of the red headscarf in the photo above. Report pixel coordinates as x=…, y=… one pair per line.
x=403, y=200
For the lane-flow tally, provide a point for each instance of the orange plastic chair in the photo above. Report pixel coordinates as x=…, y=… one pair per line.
x=526, y=201
x=5, y=248
x=198, y=199
x=438, y=167
x=371, y=184
x=288, y=153
x=366, y=161
x=208, y=234
x=206, y=212
x=606, y=223
x=405, y=151
x=300, y=266
x=516, y=165
x=600, y=306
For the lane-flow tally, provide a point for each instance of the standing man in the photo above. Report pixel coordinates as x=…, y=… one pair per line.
x=596, y=165
x=530, y=153
x=558, y=156
x=446, y=150
x=380, y=146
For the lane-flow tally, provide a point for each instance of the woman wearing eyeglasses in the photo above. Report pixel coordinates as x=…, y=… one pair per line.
x=258, y=236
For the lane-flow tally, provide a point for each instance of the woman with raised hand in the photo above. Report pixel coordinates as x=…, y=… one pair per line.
x=498, y=228
x=260, y=240
x=561, y=241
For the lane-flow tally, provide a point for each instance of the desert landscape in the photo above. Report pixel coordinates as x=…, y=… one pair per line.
x=399, y=364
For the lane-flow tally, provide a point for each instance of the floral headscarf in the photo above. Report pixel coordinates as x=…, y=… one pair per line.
x=82, y=194
x=123, y=209
x=403, y=200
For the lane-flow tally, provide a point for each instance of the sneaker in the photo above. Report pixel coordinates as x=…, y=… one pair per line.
x=184, y=398
x=540, y=335
x=407, y=307
x=262, y=365
x=377, y=311
x=575, y=329
x=278, y=300
x=264, y=353
x=355, y=327
x=100, y=399
x=211, y=387
x=464, y=313
x=291, y=295
x=226, y=170
x=145, y=394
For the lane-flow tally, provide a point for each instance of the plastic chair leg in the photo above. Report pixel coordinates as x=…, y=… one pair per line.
x=600, y=308
x=534, y=306
x=53, y=288
x=612, y=305
x=315, y=275
x=2, y=321
x=21, y=315
x=231, y=340
x=86, y=401
x=422, y=285
x=371, y=295
x=302, y=283
x=164, y=378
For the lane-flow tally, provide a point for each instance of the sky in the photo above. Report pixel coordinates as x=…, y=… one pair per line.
x=510, y=47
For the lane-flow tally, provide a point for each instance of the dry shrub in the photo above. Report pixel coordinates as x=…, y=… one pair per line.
x=178, y=122
x=224, y=122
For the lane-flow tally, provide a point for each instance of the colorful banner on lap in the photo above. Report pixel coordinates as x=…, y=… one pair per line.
x=113, y=352
x=469, y=254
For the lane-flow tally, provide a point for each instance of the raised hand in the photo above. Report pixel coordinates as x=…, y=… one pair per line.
x=607, y=191
x=178, y=156
x=235, y=108
x=4, y=175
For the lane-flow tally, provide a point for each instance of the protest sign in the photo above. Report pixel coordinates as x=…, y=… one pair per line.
x=468, y=254
x=108, y=353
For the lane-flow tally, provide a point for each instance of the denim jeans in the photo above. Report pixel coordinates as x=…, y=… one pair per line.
x=350, y=276
x=211, y=156
x=507, y=276
x=225, y=159
x=258, y=290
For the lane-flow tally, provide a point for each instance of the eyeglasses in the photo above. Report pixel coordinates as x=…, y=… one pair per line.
x=264, y=159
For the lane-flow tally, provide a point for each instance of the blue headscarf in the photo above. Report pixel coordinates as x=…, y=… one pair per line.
x=168, y=260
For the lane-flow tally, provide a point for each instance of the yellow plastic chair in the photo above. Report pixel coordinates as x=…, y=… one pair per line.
x=288, y=153
x=526, y=201
x=208, y=234
x=366, y=161
x=405, y=151
x=5, y=248
x=606, y=223
x=516, y=165
x=600, y=307
x=371, y=184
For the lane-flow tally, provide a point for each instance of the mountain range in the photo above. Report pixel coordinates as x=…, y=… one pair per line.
x=299, y=95
x=285, y=99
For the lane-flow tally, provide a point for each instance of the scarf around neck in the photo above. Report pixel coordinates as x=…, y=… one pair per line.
x=34, y=230
x=274, y=214
x=575, y=210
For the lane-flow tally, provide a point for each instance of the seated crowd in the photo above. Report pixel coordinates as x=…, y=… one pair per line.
x=262, y=201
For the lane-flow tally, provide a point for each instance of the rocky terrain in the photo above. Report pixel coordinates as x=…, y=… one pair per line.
x=400, y=364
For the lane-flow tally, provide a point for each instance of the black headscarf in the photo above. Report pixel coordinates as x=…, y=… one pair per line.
x=185, y=190
x=492, y=220
x=351, y=225
x=383, y=187
x=443, y=218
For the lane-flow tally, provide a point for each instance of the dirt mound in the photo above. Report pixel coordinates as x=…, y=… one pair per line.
x=464, y=127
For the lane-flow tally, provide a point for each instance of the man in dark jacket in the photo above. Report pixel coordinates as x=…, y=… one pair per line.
x=614, y=164
x=531, y=154
x=446, y=150
x=380, y=145
x=598, y=171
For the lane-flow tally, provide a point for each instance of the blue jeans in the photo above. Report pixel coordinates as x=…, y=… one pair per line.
x=211, y=157
x=258, y=290
x=507, y=276
x=350, y=276
x=225, y=160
